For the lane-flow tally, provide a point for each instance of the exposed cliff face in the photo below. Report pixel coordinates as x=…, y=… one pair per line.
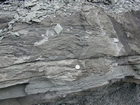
x=78, y=53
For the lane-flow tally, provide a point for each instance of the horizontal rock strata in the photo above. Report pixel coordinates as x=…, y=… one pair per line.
x=63, y=52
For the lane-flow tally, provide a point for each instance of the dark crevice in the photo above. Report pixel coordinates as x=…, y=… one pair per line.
x=122, y=37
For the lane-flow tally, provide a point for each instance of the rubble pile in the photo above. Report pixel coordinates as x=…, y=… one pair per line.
x=36, y=11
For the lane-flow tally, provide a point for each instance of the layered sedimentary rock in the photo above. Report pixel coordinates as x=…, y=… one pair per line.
x=78, y=52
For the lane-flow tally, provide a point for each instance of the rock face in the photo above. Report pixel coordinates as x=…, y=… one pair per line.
x=75, y=53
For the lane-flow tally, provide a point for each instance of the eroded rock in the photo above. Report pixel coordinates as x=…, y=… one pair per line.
x=56, y=50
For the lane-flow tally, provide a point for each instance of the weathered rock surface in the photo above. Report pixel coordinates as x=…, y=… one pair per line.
x=41, y=43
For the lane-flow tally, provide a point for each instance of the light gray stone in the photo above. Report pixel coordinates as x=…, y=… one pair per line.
x=36, y=7
x=58, y=28
x=36, y=20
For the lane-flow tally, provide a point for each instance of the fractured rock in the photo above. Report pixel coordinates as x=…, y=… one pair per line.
x=80, y=53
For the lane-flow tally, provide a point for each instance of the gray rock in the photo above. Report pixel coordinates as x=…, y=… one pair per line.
x=36, y=7
x=58, y=28
x=29, y=3
x=80, y=53
x=12, y=92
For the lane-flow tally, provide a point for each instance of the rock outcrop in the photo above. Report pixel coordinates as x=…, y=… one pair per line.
x=69, y=53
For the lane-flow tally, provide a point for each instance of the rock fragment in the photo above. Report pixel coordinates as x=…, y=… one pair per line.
x=17, y=34
x=36, y=7
x=29, y=3
x=36, y=20
x=29, y=17
x=58, y=28
x=116, y=40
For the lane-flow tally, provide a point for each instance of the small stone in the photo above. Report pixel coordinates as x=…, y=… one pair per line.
x=29, y=3
x=58, y=28
x=16, y=33
x=36, y=7
x=77, y=67
x=29, y=17
x=36, y=20
x=116, y=40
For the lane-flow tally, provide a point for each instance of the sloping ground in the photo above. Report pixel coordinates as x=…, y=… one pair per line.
x=69, y=54
x=116, y=94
